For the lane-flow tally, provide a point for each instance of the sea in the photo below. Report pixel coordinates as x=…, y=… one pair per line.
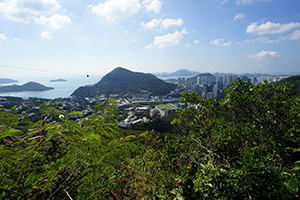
x=61, y=89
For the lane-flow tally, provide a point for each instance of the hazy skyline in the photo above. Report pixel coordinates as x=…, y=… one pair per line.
x=94, y=37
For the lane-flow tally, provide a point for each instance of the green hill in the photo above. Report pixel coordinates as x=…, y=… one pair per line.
x=122, y=81
x=30, y=86
x=295, y=80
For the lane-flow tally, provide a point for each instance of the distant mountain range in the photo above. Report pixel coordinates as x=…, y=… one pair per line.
x=58, y=80
x=30, y=86
x=122, y=81
x=7, y=80
x=181, y=72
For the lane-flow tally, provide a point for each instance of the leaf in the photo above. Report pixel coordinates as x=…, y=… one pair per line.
x=75, y=113
x=129, y=137
x=12, y=132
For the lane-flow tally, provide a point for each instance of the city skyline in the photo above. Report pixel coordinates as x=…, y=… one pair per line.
x=152, y=36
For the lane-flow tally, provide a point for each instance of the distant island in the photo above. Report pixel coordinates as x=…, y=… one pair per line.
x=181, y=72
x=30, y=86
x=7, y=80
x=122, y=81
x=59, y=80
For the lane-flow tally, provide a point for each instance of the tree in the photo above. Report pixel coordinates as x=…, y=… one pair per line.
x=62, y=160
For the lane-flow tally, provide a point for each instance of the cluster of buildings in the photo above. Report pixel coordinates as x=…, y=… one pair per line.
x=270, y=79
x=209, y=86
x=206, y=85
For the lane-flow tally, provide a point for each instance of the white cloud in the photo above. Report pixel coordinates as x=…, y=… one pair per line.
x=220, y=42
x=294, y=36
x=152, y=24
x=17, y=40
x=114, y=9
x=153, y=5
x=196, y=41
x=248, y=1
x=55, y=22
x=187, y=45
x=266, y=55
x=239, y=16
x=264, y=40
x=224, y=1
x=125, y=32
x=192, y=61
x=167, y=40
x=25, y=10
x=271, y=28
x=3, y=37
x=133, y=40
x=46, y=35
x=166, y=23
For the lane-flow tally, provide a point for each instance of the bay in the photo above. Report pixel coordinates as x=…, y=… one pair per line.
x=61, y=89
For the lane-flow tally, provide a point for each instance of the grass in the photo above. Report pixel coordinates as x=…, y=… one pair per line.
x=164, y=106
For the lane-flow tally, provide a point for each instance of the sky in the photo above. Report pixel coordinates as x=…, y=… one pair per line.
x=95, y=36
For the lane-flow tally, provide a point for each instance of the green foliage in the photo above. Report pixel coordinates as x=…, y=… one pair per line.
x=55, y=160
x=295, y=81
x=243, y=147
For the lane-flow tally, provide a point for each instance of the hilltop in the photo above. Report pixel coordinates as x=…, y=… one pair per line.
x=181, y=72
x=122, y=81
x=30, y=86
x=58, y=80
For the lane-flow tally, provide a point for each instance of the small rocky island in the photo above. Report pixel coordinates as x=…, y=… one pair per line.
x=27, y=87
x=7, y=80
x=59, y=80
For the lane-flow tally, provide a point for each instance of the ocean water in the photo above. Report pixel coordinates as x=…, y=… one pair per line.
x=61, y=89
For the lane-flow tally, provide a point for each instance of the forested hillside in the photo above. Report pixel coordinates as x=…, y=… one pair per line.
x=122, y=81
x=30, y=86
x=292, y=80
x=243, y=147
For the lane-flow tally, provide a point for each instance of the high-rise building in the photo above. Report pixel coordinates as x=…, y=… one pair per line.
x=209, y=95
x=254, y=80
x=204, y=91
x=211, y=80
x=216, y=91
x=204, y=80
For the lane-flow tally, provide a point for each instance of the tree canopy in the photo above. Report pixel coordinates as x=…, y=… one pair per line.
x=243, y=147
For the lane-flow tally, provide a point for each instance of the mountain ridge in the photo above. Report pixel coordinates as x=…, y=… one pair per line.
x=180, y=72
x=122, y=81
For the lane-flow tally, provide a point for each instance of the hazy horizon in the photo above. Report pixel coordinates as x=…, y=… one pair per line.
x=52, y=38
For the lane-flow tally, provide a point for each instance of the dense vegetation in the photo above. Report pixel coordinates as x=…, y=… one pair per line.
x=30, y=86
x=122, y=81
x=244, y=147
x=293, y=80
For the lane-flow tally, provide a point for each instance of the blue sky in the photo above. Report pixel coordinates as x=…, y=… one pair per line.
x=95, y=36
